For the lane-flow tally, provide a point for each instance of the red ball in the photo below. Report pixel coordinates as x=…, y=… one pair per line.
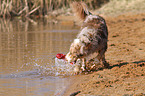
x=60, y=56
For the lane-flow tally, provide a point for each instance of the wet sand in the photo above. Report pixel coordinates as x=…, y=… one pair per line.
x=126, y=56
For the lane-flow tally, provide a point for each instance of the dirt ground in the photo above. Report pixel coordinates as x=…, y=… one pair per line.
x=126, y=56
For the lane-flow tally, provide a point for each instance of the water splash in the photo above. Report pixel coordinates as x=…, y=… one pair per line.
x=53, y=67
x=57, y=67
x=63, y=67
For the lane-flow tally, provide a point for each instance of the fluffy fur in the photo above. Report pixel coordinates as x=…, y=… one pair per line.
x=92, y=38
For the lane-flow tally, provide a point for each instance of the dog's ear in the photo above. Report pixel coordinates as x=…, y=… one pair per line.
x=80, y=10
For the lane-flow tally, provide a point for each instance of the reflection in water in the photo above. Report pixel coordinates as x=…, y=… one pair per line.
x=26, y=57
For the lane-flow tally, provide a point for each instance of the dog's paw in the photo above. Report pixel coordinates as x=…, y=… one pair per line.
x=83, y=69
x=76, y=73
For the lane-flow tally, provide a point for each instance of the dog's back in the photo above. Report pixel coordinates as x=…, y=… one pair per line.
x=94, y=33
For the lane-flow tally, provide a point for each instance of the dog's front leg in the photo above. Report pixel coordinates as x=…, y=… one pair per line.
x=83, y=64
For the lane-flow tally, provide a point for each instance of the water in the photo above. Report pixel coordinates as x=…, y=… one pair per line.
x=27, y=55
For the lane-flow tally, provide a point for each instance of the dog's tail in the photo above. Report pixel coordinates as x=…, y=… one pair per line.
x=80, y=10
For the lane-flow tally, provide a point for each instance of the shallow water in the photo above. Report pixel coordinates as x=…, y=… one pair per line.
x=27, y=54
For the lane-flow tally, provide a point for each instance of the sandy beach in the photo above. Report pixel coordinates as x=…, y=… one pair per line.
x=126, y=56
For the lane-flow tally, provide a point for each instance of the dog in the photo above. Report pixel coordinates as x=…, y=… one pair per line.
x=92, y=38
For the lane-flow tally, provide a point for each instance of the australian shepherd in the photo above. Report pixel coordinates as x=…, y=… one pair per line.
x=92, y=38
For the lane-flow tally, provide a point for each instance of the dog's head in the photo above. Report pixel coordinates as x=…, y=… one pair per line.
x=74, y=51
x=69, y=57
